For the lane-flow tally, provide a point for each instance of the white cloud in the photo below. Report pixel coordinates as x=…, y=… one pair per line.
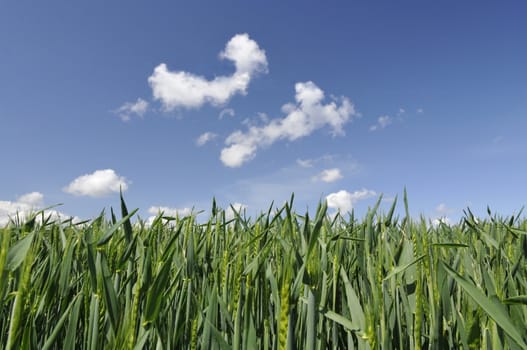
x=442, y=212
x=10, y=209
x=24, y=206
x=441, y=220
x=442, y=209
x=382, y=122
x=263, y=117
x=138, y=107
x=205, y=137
x=401, y=111
x=259, y=119
x=343, y=200
x=329, y=175
x=33, y=199
x=258, y=191
x=229, y=213
x=302, y=119
x=167, y=211
x=389, y=199
x=98, y=184
x=305, y=163
x=237, y=154
x=227, y=112
x=182, y=89
x=340, y=200
x=420, y=110
x=310, y=162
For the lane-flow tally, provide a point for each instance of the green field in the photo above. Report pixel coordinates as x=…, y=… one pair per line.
x=278, y=281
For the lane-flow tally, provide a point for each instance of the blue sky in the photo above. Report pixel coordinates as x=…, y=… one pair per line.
x=431, y=96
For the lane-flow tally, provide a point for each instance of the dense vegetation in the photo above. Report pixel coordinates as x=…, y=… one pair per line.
x=279, y=281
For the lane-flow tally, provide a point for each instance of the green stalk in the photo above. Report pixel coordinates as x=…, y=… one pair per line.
x=15, y=327
x=311, y=320
x=4, y=247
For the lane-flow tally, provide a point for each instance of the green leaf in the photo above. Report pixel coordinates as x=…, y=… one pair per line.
x=17, y=253
x=51, y=340
x=358, y=320
x=389, y=216
x=402, y=268
x=109, y=233
x=71, y=333
x=450, y=245
x=156, y=293
x=343, y=321
x=492, y=307
x=109, y=294
x=518, y=299
x=127, y=226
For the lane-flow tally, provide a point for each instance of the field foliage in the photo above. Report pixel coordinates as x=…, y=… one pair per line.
x=278, y=281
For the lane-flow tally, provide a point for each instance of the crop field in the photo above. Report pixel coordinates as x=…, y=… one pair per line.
x=277, y=281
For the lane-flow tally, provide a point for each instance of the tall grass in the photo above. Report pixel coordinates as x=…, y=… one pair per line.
x=280, y=281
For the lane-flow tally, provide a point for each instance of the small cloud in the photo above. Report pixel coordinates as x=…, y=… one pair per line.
x=33, y=199
x=309, y=163
x=401, y=112
x=382, y=122
x=329, y=175
x=167, y=211
x=343, y=201
x=442, y=220
x=303, y=118
x=226, y=112
x=237, y=154
x=305, y=163
x=205, y=137
x=264, y=118
x=442, y=209
x=442, y=212
x=419, y=111
x=97, y=184
x=182, y=89
x=138, y=108
x=238, y=207
x=497, y=140
x=24, y=206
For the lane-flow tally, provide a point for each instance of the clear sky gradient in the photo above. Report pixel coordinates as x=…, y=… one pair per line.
x=436, y=96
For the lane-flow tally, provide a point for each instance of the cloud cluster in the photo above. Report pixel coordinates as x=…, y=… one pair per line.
x=226, y=112
x=167, y=211
x=32, y=199
x=24, y=206
x=97, y=184
x=343, y=200
x=205, y=137
x=441, y=220
x=238, y=207
x=310, y=162
x=138, y=108
x=305, y=163
x=442, y=212
x=329, y=175
x=182, y=89
x=308, y=114
x=382, y=122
